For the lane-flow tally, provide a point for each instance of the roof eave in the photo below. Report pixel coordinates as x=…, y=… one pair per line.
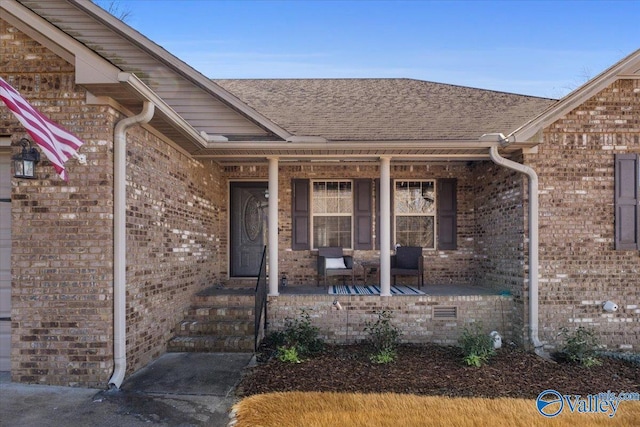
x=177, y=65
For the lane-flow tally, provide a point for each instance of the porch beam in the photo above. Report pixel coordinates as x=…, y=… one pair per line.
x=385, y=226
x=272, y=225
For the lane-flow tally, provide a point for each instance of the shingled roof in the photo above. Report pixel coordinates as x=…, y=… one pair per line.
x=385, y=109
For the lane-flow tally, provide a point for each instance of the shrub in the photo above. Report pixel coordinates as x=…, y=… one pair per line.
x=580, y=346
x=298, y=340
x=383, y=338
x=477, y=346
x=288, y=354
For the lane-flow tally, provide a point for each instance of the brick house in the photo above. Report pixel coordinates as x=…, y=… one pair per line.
x=531, y=219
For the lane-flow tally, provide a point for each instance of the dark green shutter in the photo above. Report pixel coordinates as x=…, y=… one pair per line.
x=627, y=203
x=300, y=215
x=362, y=214
x=447, y=214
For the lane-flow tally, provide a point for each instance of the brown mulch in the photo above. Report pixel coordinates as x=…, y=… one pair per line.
x=439, y=370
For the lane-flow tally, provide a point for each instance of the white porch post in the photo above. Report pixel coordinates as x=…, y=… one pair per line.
x=272, y=225
x=385, y=226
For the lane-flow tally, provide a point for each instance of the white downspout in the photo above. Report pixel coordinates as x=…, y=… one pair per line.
x=533, y=241
x=120, y=241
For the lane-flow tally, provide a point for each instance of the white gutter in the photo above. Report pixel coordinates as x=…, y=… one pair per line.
x=120, y=241
x=533, y=235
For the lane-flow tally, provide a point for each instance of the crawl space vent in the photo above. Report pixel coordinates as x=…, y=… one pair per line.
x=445, y=312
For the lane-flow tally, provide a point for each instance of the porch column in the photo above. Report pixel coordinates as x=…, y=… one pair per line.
x=385, y=226
x=272, y=225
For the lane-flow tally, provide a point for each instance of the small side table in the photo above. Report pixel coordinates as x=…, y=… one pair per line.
x=370, y=266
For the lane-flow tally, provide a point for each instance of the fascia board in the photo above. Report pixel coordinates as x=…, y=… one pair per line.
x=352, y=145
x=163, y=108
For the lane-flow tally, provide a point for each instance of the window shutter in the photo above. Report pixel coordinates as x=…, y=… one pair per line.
x=377, y=183
x=362, y=215
x=300, y=215
x=447, y=207
x=627, y=202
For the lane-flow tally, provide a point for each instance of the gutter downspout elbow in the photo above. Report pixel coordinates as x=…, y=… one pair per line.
x=120, y=240
x=533, y=242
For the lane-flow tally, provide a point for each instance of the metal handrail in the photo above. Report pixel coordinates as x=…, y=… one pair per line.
x=261, y=299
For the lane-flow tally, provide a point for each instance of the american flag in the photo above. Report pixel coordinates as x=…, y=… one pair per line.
x=58, y=144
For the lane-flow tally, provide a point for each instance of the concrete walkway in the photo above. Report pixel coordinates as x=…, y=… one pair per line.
x=178, y=389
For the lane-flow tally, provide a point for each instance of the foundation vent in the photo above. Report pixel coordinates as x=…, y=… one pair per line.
x=441, y=312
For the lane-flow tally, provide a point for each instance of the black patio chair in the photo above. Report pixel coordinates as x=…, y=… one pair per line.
x=408, y=261
x=332, y=262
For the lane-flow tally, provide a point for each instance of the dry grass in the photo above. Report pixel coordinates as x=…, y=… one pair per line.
x=394, y=410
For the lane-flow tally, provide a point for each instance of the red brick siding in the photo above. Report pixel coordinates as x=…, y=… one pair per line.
x=500, y=236
x=579, y=267
x=62, y=297
x=174, y=232
x=62, y=239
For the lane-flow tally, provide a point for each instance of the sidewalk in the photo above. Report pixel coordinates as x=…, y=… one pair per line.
x=178, y=389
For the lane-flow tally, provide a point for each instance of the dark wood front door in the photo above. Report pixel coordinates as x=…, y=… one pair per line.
x=247, y=213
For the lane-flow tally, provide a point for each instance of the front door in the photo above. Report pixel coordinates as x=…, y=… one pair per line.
x=247, y=227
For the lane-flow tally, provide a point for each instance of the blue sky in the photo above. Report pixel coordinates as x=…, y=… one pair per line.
x=541, y=48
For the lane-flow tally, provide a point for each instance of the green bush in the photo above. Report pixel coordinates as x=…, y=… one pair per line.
x=298, y=340
x=477, y=346
x=383, y=338
x=580, y=346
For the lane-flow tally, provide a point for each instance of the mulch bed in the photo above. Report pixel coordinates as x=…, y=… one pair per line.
x=438, y=370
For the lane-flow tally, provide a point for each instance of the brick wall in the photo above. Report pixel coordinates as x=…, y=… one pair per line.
x=174, y=237
x=579, y=267
x=413, y=315
x=500, y=227
x=61, y=255
x=62, y=260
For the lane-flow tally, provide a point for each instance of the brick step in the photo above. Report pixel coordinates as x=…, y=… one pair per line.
x=212, y=344
x=223, y=300
x=219, y=327
x=204, y=313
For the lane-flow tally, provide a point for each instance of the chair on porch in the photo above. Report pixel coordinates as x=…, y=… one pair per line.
x=408, y=261
x=332, y=262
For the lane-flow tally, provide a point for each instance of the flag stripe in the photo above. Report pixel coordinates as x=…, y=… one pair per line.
x=58, y=144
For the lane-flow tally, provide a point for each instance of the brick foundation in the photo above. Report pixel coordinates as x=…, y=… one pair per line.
x=413, y=315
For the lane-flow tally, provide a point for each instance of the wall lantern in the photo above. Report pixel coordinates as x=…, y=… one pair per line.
x=25, y=163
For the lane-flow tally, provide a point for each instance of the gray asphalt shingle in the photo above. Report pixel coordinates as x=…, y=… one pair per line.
x=385, y=109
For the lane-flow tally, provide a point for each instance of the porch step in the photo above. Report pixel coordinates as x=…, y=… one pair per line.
x=211, y=344
x=218, y=327
x=218, y=320
x=206, y=313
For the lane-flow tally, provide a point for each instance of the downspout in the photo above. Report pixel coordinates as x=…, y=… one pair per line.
x=533, y=241
x=120, y=241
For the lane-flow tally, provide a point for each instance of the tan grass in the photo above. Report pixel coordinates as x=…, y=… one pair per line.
x=298, y=409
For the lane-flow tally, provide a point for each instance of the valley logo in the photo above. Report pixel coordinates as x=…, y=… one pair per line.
x=551, y=403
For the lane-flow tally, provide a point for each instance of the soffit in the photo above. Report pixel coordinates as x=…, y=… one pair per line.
x=181, y=87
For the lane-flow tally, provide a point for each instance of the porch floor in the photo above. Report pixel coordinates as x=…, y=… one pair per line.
x=433, y=290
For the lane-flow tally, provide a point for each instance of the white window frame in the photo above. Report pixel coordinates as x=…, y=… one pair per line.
x=313, y=214
x=434, y=214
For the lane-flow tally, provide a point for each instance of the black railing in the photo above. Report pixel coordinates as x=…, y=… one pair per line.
x=261, y=301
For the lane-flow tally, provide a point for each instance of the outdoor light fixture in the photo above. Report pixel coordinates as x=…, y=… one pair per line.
x=25, y=163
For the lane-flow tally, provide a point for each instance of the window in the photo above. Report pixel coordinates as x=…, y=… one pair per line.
x=627, y=202
x=415, y=213
x=331, y=212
